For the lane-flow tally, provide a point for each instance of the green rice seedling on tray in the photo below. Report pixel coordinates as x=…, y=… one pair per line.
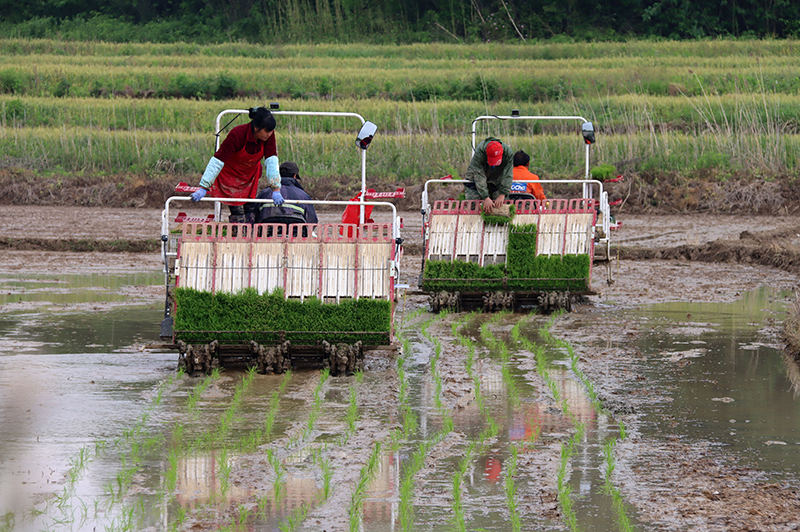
x=268, y=318
x=524, y=270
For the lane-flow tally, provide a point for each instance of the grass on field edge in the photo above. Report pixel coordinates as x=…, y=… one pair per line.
x=791, y=328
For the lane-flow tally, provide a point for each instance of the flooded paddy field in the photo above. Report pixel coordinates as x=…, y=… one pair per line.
x=663, y=403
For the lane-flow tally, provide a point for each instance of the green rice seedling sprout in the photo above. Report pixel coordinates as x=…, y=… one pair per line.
x=224, y=470
x=180, y=516
x=242, y=516
x=608, y=453
x=458, y=506
x=327, y=475
x=262, y=504
x=280, y=474
x=407, y=482
x=456, y=487
x=316, y=404
x=511, y=490
x=196, y=392
x=352, y=410
x=7, y=522
x=228, y=417
x=622, y=433
x=360, y=491
x=295, y=519
x=272, y=412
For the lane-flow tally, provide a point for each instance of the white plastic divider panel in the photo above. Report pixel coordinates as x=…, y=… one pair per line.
x=303, y=260
x=375, y=252
x=268, y=258
x=232, y=257
x=495, y=244
x=581, y=217
x=195, y=264
x=469, y=233
x=552, y=227
x=442, y=230
x=338, y=261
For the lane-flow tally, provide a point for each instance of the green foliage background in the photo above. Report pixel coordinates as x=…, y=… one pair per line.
x=393, y=21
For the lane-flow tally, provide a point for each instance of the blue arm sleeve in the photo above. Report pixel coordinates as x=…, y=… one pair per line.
x=213, y=169
x=271, y=171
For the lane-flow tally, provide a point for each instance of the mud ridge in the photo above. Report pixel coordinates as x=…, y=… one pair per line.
x=771, y=248
x=80, y=245
x=707, y=192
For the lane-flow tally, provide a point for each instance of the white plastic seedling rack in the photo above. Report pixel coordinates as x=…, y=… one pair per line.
x=328, y=261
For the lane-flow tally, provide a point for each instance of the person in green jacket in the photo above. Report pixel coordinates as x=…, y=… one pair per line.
x=490, y=172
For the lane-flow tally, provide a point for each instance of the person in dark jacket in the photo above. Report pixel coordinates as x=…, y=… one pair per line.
x=291, y=189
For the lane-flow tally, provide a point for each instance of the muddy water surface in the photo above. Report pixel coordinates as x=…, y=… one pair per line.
x=724, y=379
x=100, y=434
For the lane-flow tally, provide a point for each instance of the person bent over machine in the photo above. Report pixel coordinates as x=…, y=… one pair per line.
x=236, y=167
x=490, y=173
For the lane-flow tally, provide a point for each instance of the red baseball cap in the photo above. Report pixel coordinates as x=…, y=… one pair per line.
x=494, y=153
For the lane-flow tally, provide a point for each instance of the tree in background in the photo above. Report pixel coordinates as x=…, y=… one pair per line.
x=285, y=21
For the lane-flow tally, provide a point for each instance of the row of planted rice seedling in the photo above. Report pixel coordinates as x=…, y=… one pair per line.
x=411, y=73
x=609, y=446
x=419, y=450
x=491, y=429
x=395, y=159
x=746, y=112
x=568, y=448
x=564, y=488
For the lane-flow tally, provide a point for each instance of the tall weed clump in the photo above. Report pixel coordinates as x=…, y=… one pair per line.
x=201, y=317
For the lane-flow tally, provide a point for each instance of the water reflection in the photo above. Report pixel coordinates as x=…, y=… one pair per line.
x=725, y=380
x=70, y=288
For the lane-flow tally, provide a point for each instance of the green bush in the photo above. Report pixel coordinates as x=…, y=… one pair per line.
x=226, y=88
x=187, y=87
x=201, y=317
x=14, y=110
x=11, y=81
x=62, y=88
x=603, y=172
x=708, y=161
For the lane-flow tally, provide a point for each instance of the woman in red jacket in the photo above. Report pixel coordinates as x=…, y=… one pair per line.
x=235, y=169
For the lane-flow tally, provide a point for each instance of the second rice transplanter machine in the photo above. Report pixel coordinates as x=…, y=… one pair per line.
x=540, y=255
x=276, y=295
